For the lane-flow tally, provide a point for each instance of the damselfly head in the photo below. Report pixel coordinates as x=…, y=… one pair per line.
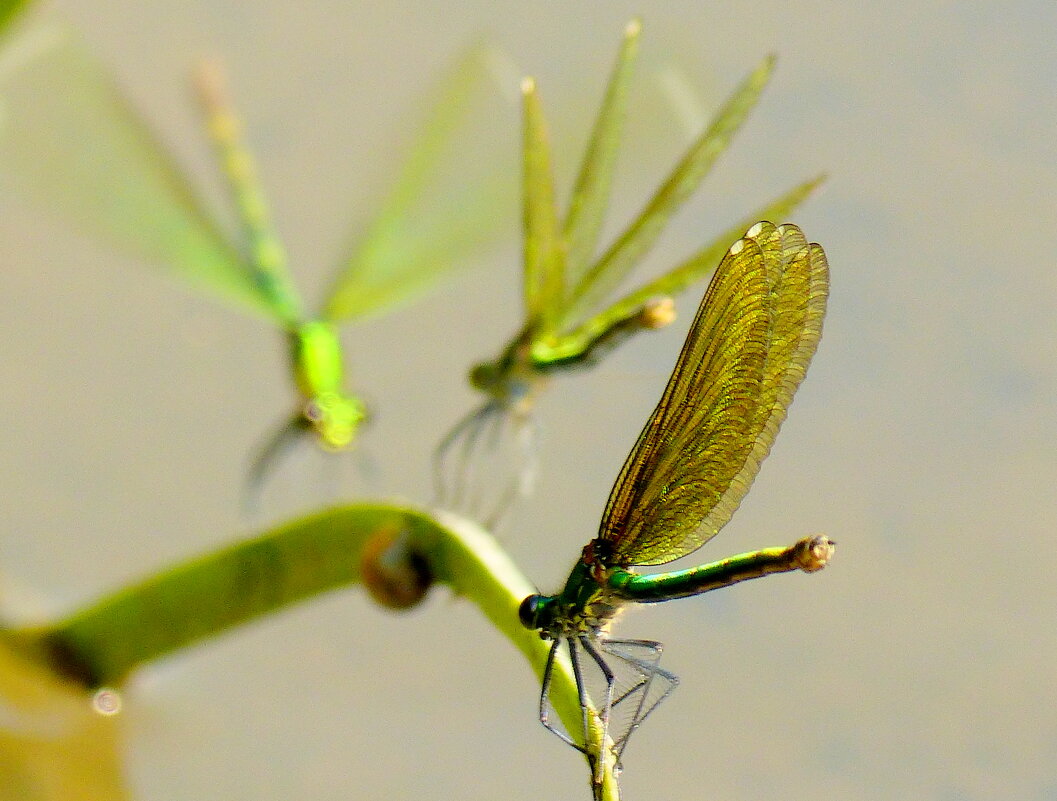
x=486, y=377
x=538, y=612
x=335, y=419
x=514, y=384
x=527, y=611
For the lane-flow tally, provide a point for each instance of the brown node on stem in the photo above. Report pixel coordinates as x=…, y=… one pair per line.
x=395, y=575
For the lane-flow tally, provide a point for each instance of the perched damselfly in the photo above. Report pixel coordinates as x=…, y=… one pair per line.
x=747, y=351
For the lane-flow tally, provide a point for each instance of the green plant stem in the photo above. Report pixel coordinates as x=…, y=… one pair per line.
x=104, y=642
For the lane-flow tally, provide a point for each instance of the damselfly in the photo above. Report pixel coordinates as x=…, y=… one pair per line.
x=73, y=140
x=571, y=321
x=747, y=351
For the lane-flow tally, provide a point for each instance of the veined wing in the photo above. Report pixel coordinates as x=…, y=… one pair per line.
x=637, y=239
x=453, y=195
x=690, y=271
x=590, y=196
x=73, y=142
x=746, y=353
x=544, y=249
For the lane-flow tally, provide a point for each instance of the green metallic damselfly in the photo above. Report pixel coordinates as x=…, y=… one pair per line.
x=571, y=321
x=73, y=140
x=747, y=351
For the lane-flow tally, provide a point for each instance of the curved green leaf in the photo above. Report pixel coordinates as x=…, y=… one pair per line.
x=104, y=642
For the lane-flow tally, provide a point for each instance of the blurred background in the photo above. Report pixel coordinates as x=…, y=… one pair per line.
x=918, y=665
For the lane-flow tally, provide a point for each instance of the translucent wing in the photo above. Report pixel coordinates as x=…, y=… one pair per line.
x=607, y=273
x=544, y=255
x=590, y=197
x=454, y=193
x=72, y=141
x=745, y=355
x=689, y=272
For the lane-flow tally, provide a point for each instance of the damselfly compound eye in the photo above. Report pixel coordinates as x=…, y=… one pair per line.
x=527, y=611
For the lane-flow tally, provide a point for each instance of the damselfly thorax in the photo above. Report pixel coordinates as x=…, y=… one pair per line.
x=488, y=459
x=515, y=380
x=587, y=605
x=333, y=415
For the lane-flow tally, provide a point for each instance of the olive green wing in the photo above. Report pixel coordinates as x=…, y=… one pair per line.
x=71, y=141
x=544, y=248
x=607, y=273
x=747, y=351
x=690, y=271
x=591, y=192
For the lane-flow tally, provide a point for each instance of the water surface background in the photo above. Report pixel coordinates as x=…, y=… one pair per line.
x=919, y=665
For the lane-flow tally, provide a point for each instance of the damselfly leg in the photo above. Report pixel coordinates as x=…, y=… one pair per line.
x=267, y=456
x=617, y=689
x=548, y=715
x=647, y=686
x=486, y=463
